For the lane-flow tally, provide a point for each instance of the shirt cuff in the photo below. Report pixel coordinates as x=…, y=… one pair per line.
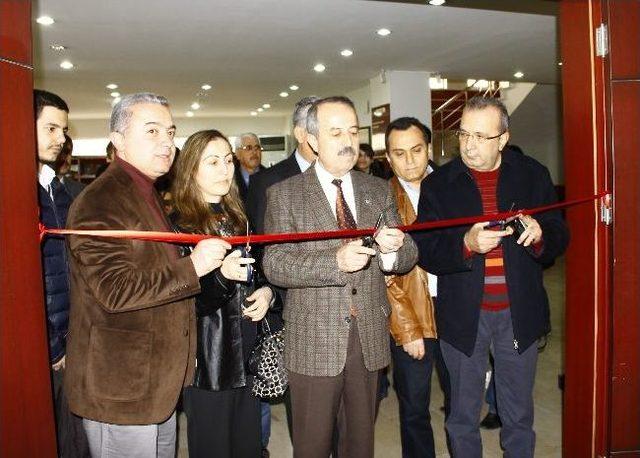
x=388, y=260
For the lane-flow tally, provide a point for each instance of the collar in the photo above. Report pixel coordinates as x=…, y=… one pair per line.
x=143, y=182
x=46, y=176
x=326, y=178
x=302, y=162
x=458, y=167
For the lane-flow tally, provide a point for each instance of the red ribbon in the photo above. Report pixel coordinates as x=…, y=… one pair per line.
x=193, y=239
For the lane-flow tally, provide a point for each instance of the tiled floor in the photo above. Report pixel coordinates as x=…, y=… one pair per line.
x=548, y=420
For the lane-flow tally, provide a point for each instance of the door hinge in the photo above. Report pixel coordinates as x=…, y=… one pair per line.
x=606, y=211
x=602, y=40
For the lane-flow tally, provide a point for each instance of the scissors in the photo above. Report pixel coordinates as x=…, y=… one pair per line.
x=246, y=250
x=369, y=240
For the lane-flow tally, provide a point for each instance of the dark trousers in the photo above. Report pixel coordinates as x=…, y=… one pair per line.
x=514, y=378
x=412, y=382
x=72, y=440
x=222, y=424
x=315, y=402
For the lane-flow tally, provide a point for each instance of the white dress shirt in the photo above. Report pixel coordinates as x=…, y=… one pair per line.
x=45, y=177
x=414, y=197
x=302, y=162
x=331, y=192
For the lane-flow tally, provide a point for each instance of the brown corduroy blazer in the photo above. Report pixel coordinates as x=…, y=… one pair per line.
x=319, y=295
x=131, y=344
x=412, y=315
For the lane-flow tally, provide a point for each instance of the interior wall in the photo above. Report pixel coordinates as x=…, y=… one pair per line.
x=536, y=126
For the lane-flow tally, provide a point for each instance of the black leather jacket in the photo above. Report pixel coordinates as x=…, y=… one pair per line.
x=225, y=338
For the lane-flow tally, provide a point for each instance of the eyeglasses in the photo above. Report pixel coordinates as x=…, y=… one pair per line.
x=251, y=147
x=464, y=136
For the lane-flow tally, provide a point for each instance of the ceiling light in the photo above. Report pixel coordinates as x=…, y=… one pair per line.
x=284, y=94
x=254, y=113
x=384, y=32
x=45, y=20
x=266, y=105
x=437, y=82
x=293, y=87
x=67, y=65
x=115, y=94
x=58, y=47
x=260, y=110
x=518, y=74
x=206, y=87
x=319, y=68
x=437, y=2
x=189, y=114
x=112, y=86
x=346, y=53
x=195, y=106
x=560, y=64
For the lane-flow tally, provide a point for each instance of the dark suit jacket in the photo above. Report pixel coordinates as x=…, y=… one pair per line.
x=260, y=182
x=451, y=192
x=132, y=340
x=242, y=187
x=319, y=295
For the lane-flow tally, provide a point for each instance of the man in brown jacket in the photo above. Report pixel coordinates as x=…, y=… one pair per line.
x=131, y=344
x=414, y=348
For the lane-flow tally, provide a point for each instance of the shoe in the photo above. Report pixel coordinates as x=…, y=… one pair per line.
x=491, y=421
x=265, y=453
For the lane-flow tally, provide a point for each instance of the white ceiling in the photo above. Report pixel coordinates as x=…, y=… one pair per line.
x=250, y=50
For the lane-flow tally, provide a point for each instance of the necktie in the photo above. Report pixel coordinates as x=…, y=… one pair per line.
x=343, y=213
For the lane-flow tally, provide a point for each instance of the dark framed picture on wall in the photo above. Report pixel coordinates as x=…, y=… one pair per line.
x=364, y=135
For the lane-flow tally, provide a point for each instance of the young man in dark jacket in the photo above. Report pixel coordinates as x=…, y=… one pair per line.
x=490, y=291
x=54, y=199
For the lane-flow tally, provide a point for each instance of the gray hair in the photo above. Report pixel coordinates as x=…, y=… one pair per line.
x=312, y=114
x=302, y=109
x=121, y=114
x=238, y=141
x=480, y=102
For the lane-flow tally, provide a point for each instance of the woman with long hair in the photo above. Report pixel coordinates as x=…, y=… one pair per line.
x=223, y=417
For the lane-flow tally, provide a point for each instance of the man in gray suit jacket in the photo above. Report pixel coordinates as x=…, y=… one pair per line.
x=336, y=312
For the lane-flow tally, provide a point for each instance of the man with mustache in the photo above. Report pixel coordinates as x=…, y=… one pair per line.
x=490, y=291
x=248, y=155
x=54, y=200
x=336, y=310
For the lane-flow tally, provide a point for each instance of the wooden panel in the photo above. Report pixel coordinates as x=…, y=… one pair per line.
x=585, y=420
x=15, y=30
x=624, y=36
x=26, y=408
x=625, y=389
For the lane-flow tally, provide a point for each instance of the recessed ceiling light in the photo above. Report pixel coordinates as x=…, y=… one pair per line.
x=437, y=2
x=284, y=94
x=260, y=110
x=195, y=106
x=115, y=94
x=112, y=86
x=254, y=113
x=206, y=87
x=346, y=53
x=560, y=64
x=266, y=105
x=189, y=114
x=45, y=20
x=384, y=32
x=115, y=101
x=518, y=74
x=67, y=65
x=58, y=48
x=293, y=87
x=319, y=68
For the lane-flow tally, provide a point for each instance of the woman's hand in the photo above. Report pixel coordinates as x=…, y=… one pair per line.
x=261, y=299
x=234, y=266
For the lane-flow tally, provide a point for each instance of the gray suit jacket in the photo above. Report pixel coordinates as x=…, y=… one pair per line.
x=319, y=295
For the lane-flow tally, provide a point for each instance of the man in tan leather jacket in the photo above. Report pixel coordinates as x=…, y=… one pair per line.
x=414, y=347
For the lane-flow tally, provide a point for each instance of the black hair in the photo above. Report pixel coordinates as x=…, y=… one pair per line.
x=405, y=123
x=43, y=99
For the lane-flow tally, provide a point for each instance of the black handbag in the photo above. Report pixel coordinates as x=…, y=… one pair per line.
x=266, y=364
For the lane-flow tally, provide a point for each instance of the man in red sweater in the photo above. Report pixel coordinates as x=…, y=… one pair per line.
x=490, y=291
